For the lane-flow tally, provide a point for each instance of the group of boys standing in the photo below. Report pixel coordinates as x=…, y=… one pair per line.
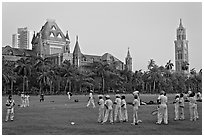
x=120, y=110
x=179, y=105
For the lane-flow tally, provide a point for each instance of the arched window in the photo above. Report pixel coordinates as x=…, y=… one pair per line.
x=53, y=28
x=59, y=36
x=52, y=34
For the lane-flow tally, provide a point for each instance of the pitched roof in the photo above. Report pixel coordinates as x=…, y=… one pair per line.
x=51, y=31
x=17, y=52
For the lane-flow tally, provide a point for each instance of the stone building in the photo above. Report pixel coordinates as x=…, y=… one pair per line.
x=50, y=42
x=181, y=48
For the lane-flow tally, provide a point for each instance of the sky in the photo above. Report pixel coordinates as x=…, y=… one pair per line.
x=148, y=29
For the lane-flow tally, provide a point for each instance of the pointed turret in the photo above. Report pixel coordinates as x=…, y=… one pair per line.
x=180, y=24
x=77, y=48
x=128, y=61
x=33, y=39
x=128, y=54
x=77, y=54
x=67, y=36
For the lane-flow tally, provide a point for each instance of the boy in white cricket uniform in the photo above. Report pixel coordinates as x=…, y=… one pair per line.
x=101, y=109
x=176, y=107
x=10, y=108
x=181, y=106
x=162, y=111
x=109, y=110
x=23, y=99
x=91, y=99
x=135, y=110
x=138, y=98
x=192, y=105
x=196, y=107
x=117, y=111
x=27, y=98
x=124, y=113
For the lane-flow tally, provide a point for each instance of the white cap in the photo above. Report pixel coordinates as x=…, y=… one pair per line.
x=135, y=92
x=100, y=95
x=177, y=95
x=107, y=96
x=189, y=92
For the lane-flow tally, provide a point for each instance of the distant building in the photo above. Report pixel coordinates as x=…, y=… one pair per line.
x=50, y=42
x=15, y=40
x=181, y=48
x=22, y=39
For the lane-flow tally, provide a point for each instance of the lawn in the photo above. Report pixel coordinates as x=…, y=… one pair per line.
x=55, y=114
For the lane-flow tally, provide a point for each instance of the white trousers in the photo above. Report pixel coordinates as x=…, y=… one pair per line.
x=176, y=110
x=91, y=101
x=135, y=115
x=196, y=111
x=101, y=114
x=27, y=102
x=10, y=112
x=23, y=103
x=192, y=109
x=124, y=114
x=182, y=116
x=108, y=113
x=163, y=113
x=117, y=113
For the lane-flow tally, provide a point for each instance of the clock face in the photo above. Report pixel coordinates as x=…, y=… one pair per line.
x=179, y=45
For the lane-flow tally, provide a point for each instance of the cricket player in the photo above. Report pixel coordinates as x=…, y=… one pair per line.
x=162, y=110
x=138, y=95
x=135, y=110
x=68, y=95
x=101, y=109
x=109, y=110
x=23, y=99
x=196, y=106
x=27, y=100
x=176, y=107
x=10, y=108
x=91, y=99
x=124, y=113
x=199, y=96
x=192, y=107
x=181, y=106
x=117, y=112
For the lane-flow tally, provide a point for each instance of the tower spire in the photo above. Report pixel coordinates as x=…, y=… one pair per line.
x=180, y=25
x=128, y=54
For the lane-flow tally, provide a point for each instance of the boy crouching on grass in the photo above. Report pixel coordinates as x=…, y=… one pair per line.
x=10, y=108
x=124, y=113
x=101, y=109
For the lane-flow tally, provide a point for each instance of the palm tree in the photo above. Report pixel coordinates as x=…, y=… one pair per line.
x=151, y=64
x=23, y=68
x=169, y=65
x=185, y=65
x=44, y=79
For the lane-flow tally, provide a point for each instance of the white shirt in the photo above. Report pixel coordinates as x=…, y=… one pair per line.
x=181, y=101
x=118, y=101
x=163, y=99
x=136, y=103
x=101, y=103
x=109, y=104
x=90, y=95
x=123, y=102
x=10, y=103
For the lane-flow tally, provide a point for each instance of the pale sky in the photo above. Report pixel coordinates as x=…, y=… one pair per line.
x=148, y=29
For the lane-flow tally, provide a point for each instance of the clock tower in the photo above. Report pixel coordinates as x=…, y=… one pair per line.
x=181, y=48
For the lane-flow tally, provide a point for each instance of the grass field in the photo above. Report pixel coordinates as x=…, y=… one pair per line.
x=54, y=118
